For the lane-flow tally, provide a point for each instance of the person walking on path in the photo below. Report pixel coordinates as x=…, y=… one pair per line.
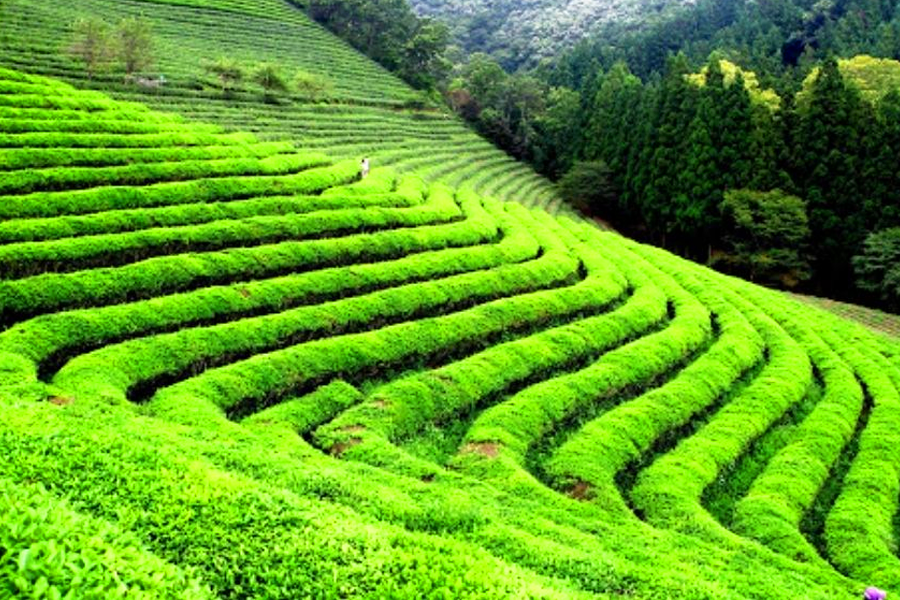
x=364, y=168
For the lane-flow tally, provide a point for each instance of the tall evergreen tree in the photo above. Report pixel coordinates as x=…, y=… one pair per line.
x=883, y=209
x=614, y=119
x=768, y=151
x=699, y=187
x=666, y=148
x=732, y=129
x=828, y=166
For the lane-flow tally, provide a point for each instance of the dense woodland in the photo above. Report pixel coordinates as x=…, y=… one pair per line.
x=778, y=170
x=729, y=132
x=520, y=33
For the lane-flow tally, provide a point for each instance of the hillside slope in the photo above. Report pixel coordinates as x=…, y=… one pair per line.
x=368, y=113
x=260, y=377
x=230, y=368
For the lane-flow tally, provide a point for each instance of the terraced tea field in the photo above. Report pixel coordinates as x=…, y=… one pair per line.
x=229, y=368
x=369, y=112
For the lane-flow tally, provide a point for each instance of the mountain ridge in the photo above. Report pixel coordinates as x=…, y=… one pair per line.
x=523, y=33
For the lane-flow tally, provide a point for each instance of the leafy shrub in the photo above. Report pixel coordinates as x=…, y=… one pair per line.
x=878, y=266
x=228, y=71
x=268, y=76
x=49, y=551
x=313, y=88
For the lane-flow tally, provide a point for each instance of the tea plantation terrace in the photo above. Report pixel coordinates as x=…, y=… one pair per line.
x=230, y=368
x=368, y=112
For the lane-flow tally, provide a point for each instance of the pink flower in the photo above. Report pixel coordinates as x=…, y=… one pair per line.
x=873, y=593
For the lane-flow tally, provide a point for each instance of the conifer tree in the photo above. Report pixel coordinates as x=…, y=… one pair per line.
x=700, y=186
x=828, y=164
x=666, y=147
x=732, y=130
x=614, y=120
x=883, y=208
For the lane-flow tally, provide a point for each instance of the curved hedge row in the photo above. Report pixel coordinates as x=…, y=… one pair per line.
x=128, y=364
x=859, y=530
x=74, y=254
x=592, y=458
x=777, y=501
x=319, y=384
x=40, y=294
x=49, y=204
x=669, y=492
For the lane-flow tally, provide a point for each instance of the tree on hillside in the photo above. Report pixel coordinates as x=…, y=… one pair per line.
x=484, y=79
x=658, y=177
x=828, y=166
x=614, y=119
x=134, y=45
x=698, y=189
x=388, y=32
x=312, y=87
x=731, y=127
x=768, y=150
x=589, y=187
x=91, y=45
x=422, y=62
x=767, y=237
x=560, y=132
x=883, y=206
x=268, y=77
x=228, y=71
x=878, y=266
x=505, y=108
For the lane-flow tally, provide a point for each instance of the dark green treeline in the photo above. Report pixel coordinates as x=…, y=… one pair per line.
x=780, y=188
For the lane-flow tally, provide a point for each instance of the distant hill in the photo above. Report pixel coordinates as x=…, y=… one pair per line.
x=522, y=32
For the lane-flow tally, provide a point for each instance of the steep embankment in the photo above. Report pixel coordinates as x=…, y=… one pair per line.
x=368, y=111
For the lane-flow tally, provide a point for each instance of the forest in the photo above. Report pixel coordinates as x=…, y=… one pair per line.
x=732, y=134
x=759, y=138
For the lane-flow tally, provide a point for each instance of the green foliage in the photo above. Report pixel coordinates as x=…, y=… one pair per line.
x=268, y=77
x=520, y=36
x=829, y=167
x=279, y=379
x=786, y=492
x=506, y=108
x=390, y=33
x=228, y=71
x=91, y=45
x=51, y=551
x=559, y=133
x=770, y=237
x=369, y=111
x=589, y=187
x=423, y=64
x=676, y=146
x=134, y=45
x=313, y=88
x=873, y=77
x=878, y=266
